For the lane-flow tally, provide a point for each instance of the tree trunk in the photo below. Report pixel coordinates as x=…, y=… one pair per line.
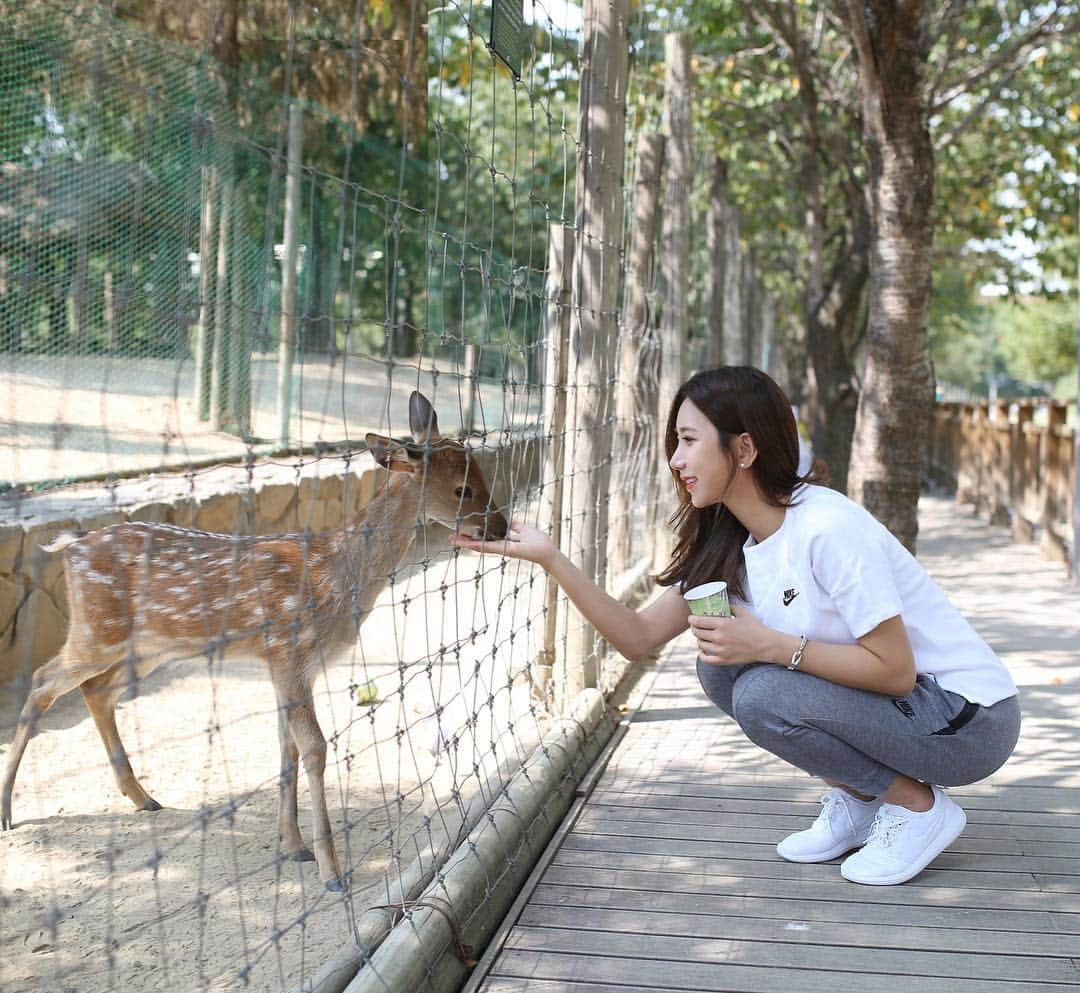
x=894, y=409
x=733, y=349
x=833, y=326
x=714, y=251
x=56, y=301
x=318, y=319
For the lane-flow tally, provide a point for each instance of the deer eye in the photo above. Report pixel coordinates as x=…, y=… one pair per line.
x=463, y=492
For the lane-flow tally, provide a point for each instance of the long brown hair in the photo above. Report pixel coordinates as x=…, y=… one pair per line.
x=736, y=400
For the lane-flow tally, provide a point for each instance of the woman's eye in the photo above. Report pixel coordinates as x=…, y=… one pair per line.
x=463, y=492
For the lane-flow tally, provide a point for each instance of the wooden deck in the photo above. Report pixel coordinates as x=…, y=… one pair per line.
x=666, y=877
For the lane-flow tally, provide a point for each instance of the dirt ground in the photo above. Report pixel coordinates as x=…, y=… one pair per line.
x=64, y=417
x=96, y=897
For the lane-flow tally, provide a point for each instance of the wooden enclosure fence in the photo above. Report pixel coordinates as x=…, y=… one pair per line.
x=1015, y=463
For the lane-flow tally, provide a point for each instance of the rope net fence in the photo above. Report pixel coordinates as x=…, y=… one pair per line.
x=237, y=283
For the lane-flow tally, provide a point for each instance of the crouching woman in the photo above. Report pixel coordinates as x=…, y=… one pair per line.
x=843, y=656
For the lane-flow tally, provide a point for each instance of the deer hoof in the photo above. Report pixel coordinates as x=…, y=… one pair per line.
x=336, y=885
x=151, y=804
x=302, y=855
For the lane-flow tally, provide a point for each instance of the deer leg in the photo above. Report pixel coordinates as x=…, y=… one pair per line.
x=99, y=693
x=292, y=843
x=50, y=682
x=311, y=745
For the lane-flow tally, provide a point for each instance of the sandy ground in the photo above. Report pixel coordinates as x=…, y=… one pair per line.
x=64, y=417
x=95, y=896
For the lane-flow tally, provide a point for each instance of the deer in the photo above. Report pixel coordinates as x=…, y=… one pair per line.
x=139, y=594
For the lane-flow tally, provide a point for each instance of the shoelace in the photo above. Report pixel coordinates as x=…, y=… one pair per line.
x=884, y=828
x=830, y=805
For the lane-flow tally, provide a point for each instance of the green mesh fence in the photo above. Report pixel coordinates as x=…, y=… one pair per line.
x=144, y=302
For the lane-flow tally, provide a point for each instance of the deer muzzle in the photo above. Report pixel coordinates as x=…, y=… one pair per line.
x=493, y=527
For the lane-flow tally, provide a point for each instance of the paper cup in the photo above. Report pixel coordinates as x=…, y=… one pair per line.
x=709, y=600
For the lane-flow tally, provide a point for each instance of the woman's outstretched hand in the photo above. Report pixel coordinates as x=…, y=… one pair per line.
x=730, y=640
x=521, y=542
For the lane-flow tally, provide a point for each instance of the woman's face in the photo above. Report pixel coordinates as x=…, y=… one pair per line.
x=705, y=469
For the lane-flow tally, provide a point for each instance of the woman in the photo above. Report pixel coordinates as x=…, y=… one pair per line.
x=843, y=657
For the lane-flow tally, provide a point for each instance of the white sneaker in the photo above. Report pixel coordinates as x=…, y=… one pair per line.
x=842, y=825
x=902, y=842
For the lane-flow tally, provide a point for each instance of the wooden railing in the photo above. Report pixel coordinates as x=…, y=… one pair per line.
x=1016, y=463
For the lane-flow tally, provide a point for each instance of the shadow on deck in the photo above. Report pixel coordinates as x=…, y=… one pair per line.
x=668, y=878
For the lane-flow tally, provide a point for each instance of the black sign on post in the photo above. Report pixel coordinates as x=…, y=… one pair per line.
x=508, y=33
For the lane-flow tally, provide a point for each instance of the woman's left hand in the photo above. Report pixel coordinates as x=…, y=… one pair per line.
x=730, y=640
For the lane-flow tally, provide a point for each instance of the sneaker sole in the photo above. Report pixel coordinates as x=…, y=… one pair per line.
x=825, y=856
x=951, y=829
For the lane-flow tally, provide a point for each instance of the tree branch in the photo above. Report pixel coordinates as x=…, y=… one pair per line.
x=1011, y=53
x=863, y=44
x=976, y=112
x=948, y=23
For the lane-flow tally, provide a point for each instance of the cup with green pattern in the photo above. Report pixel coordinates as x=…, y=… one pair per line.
x=709, y=600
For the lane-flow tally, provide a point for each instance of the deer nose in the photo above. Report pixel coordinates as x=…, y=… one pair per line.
x=495, y=527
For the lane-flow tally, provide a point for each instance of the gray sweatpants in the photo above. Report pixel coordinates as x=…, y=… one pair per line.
x=863, y=739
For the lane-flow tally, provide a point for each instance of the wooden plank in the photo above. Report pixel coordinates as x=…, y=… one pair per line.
x=513, y=984
x=981, y=823
x=912, y=934
x=709, y=782
x=987, y=864
x=941, y=889
x=726, y=977
x=746, y=829
x=770, y=951
x=1046, y=928
x=1010, y=802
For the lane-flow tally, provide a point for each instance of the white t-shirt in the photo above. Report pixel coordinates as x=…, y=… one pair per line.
x=834, y=573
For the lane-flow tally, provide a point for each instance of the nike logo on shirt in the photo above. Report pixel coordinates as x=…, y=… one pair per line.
x=790, y=595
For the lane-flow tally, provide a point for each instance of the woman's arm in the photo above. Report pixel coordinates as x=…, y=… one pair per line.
x=881, y=662
x=632, y=633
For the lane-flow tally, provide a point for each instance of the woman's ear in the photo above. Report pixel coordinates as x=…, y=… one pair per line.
x=745, y=450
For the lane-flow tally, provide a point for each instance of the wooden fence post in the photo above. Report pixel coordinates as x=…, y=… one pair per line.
x=1020, y=468
x=639, y=354
x=556, y=357
x=594, y=310
x=1053, y=468
x=998, y=456
x=675, y=257
x=203, y=329
x=287, y=345
x=240, y=337
x=470, y=371
x=219, y=348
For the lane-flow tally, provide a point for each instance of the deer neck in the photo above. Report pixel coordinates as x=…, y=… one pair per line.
x=375, y=542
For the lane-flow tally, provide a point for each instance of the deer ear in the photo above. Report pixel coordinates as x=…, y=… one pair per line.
x=422, y=420
x=389, y=454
